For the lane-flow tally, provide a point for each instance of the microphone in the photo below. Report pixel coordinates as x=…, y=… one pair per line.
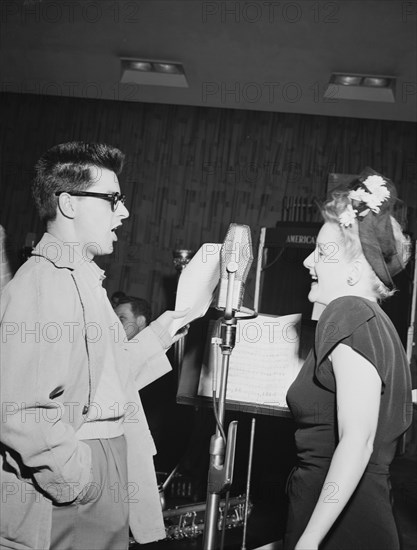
x=236, y=258
x=235, y=261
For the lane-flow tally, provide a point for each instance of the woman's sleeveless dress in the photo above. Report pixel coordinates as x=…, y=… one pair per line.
x=367, y=521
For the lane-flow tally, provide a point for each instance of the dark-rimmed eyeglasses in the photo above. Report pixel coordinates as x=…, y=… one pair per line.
x=113, y=198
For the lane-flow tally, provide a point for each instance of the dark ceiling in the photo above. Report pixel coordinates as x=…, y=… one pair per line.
x=259, y=55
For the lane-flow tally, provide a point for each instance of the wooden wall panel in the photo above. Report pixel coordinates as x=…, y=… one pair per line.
x=191, y=171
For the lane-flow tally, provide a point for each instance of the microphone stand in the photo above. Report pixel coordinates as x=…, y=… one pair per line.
x=222, y=452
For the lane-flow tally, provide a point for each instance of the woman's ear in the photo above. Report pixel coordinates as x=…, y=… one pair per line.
x=66, y=205
x=355, y=272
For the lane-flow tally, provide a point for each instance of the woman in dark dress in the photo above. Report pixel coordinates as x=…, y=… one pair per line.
x=352, y=398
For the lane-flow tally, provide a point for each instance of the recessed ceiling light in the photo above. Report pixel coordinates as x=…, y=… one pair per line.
x=361, y=87
x=153, y=73
x=140, y=66
x=170, y=68
x=377, y=81
x=347, y=80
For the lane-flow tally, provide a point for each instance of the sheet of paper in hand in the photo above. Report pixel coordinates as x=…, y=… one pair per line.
x=197, y=283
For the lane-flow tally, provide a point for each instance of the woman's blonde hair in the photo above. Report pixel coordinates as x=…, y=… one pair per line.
x=331, y=211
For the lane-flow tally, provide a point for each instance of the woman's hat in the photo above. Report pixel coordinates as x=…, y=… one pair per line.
x=372, y=200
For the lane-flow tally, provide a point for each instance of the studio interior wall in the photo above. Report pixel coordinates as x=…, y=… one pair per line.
x=191, y=171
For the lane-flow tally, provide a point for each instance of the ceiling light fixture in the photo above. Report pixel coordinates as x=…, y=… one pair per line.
x=347, y=80
x=361, y=87
x=141, y=66
x=378, y=81
x=171, y=68
x=153, y=73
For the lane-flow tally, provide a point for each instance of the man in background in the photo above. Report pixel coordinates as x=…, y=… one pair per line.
x=134, y=314
x=115, y=297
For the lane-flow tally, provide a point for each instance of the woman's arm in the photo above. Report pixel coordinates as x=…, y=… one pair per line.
x=358, y=394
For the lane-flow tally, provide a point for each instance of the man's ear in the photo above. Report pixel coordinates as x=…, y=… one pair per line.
x=66, y=205
x=141, y=322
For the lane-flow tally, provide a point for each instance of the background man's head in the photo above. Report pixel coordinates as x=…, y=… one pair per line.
x=116, y=296
x=134, y=314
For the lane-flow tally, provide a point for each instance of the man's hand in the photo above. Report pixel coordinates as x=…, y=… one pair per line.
x=180, y=334
x=166, y=320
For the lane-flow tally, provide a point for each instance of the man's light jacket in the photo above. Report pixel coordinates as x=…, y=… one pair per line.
x=51, y=359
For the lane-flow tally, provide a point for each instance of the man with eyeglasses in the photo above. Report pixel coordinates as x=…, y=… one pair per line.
x=76, y=452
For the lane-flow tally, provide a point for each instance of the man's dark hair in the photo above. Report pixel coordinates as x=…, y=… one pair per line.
x=115, y=297
x=139, y=306
x=72, y=166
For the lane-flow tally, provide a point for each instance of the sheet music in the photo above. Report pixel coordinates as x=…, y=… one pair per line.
x=263, y=363
x=197, y=283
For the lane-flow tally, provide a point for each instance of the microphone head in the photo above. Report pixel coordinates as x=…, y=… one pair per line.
x=235, y=257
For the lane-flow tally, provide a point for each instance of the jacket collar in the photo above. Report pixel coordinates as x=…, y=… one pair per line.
x=64, y=255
